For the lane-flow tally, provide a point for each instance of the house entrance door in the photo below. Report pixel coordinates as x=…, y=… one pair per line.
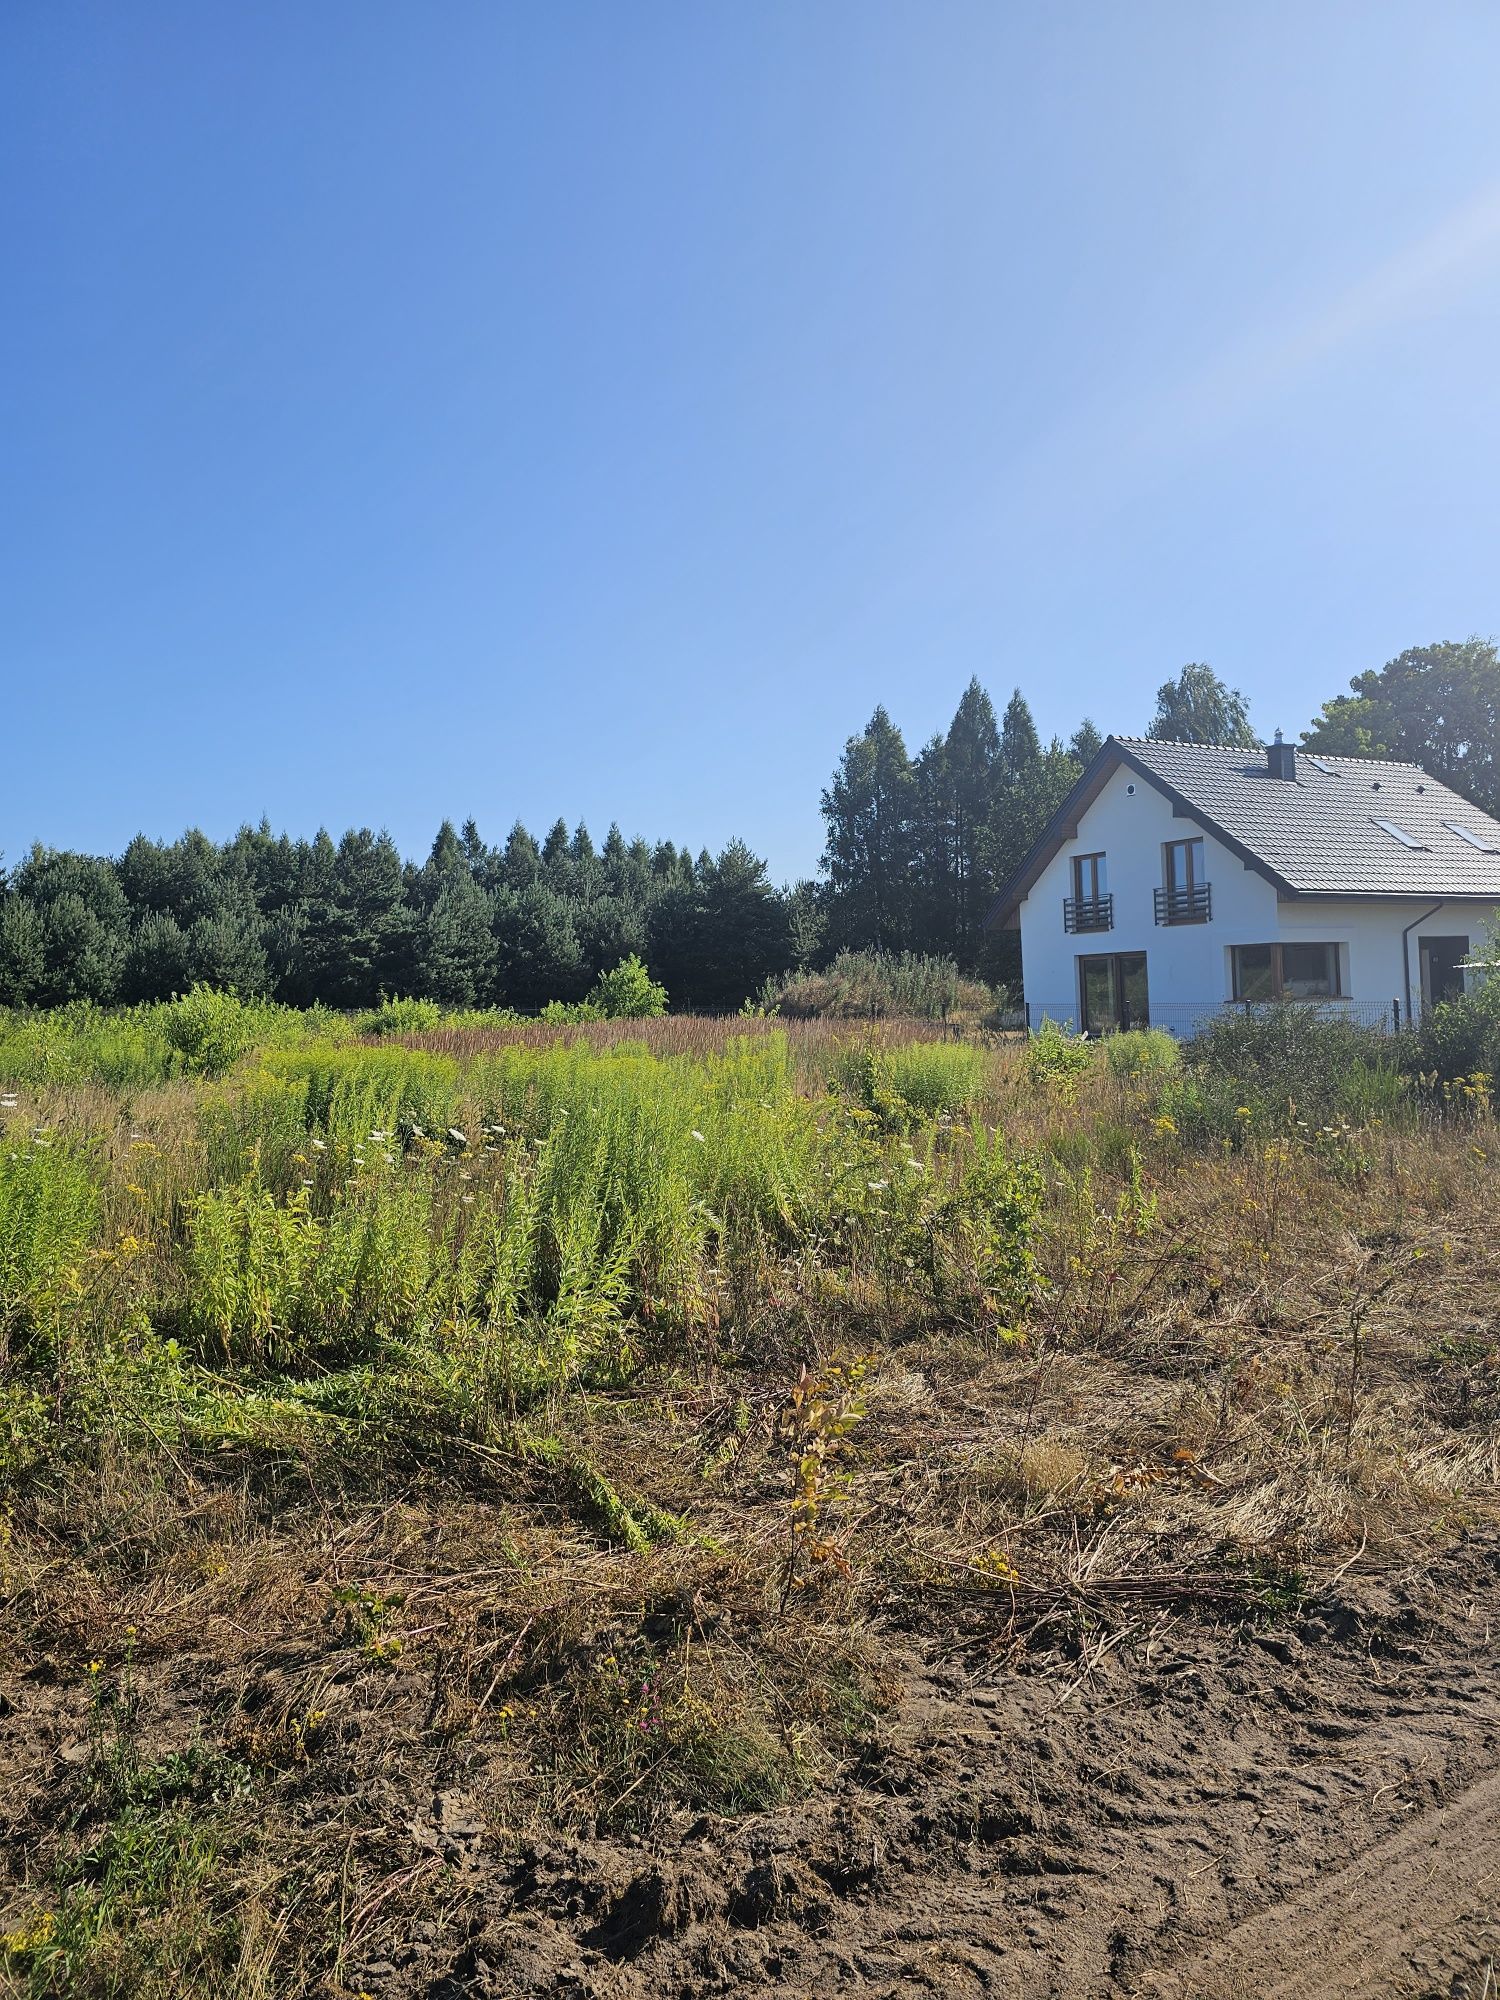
x=1442, y=978
x=1112, y=992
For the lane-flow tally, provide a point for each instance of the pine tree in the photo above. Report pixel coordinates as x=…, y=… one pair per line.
x=23, y=951
x=158, y=959
x=743, y=937
x=539, y=954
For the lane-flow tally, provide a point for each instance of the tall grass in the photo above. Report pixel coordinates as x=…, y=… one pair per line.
x=49, y=1207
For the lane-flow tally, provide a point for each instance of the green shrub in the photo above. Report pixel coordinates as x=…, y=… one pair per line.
x=1288, y=1062
x=1461, y=1038
x=912, y=1081
x=1142, y=1052
x=967, y=1240
x=208, y=1030
x=872, y=985
x=352, y=1092
x=628, y=993
x=401, y=1017
x=247, y=1258
x=1057, y=1060
x=81, y=1043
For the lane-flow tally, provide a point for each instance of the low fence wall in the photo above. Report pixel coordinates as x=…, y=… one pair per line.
x=1186, y=1018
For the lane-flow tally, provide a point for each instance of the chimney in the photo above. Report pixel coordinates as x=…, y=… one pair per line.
x=1281, y=759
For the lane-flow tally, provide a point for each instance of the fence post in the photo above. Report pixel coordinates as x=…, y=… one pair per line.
x=1027, y=1005
x=1396, y=1015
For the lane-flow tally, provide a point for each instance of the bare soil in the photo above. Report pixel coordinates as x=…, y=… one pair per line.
x=1185, y=1809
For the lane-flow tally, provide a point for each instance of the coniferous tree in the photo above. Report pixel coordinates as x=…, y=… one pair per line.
x=226, y=945
x=459, y=955
x=934, y=919
x=521, y=863
x=23, y=951
x=158, y=959
x=540, y=958
x=807, y=924
x=84, y=921
x=973, y=751
x=1085, y=744
x=868, y=851
x=743, y=935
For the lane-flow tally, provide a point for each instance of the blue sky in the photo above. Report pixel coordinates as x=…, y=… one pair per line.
x=596, y=409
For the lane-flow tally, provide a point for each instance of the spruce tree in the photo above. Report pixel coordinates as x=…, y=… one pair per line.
x=868, y=851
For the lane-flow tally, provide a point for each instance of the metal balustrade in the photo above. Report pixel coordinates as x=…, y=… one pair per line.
x=1088, y=913
x=1185, y=906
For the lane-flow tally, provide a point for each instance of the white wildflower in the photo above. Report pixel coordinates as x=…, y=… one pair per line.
x=699, y=1137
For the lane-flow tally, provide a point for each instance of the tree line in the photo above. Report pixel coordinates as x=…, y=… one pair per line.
x=915, y=848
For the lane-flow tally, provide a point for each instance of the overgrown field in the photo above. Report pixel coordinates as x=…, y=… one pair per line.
x=419, y=1448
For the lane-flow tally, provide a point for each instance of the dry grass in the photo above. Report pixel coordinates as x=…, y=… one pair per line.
x=1249, y=1368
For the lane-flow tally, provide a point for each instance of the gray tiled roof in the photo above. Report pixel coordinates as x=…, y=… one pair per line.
x=1317, y=835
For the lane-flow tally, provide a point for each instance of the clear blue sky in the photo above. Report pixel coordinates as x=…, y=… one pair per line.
x=415, y=410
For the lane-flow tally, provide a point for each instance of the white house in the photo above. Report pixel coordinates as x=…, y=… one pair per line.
x=1178, y=878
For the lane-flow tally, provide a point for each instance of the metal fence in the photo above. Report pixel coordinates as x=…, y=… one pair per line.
x=1186, y=1018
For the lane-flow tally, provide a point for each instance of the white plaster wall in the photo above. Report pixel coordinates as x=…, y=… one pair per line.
x=1375, y=971
x=1188, y=965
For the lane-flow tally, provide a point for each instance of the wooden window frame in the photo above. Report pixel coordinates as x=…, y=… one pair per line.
x=1278, y=978
x=1099, y=890
x=1192, y=880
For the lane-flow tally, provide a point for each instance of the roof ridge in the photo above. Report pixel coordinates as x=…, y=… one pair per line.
x=1245, y=749
x=1173, y=743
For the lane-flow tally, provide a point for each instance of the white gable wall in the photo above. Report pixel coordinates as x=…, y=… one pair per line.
x=1188, y=966
x=1130, y=822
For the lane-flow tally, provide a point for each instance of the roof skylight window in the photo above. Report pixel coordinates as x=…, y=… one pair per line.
x=1479, y=840
x=1400, y=833
x=1320, y=764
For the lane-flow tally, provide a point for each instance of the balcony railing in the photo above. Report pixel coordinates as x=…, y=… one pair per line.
x=1185, y=906
x=1088, y=913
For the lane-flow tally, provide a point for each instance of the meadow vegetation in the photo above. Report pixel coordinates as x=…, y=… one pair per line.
x=571, y=1406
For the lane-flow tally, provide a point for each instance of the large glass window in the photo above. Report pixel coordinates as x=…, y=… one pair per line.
x=1255, y=972
x=1286, y=971
x=1309, y=971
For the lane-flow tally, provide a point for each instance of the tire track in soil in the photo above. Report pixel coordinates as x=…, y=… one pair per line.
x=1417, y=1913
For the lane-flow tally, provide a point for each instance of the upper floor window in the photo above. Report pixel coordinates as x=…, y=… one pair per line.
x=1090, y=907
x=1184, y=866
x=1184, y=895
x=1090, y=880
